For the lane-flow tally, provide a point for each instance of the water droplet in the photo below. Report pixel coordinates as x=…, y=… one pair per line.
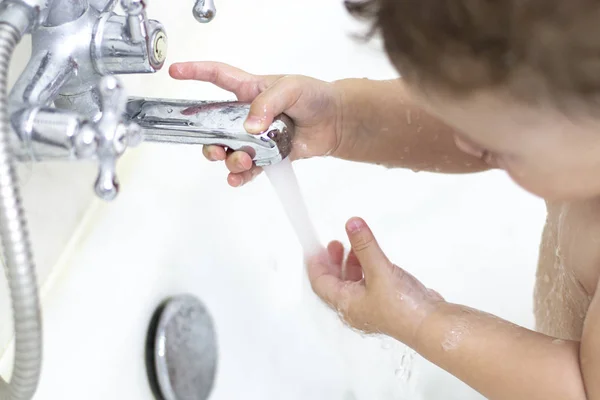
x=558, y=342
x=399, y=372
x=386, y=345
x=408, y=117
x=169, y=110
x=546, y=278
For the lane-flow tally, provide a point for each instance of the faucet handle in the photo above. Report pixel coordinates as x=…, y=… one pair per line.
x=129, y=44
x=204, y=11
x=136, y=19
x=113, y=135
x=134, y=7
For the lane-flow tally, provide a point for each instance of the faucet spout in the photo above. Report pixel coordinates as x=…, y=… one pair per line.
x=210, y=123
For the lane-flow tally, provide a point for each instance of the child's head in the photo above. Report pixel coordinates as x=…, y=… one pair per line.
x=520, y=79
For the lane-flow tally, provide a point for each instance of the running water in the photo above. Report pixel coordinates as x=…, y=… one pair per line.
x=286, y=186
x=356, y=353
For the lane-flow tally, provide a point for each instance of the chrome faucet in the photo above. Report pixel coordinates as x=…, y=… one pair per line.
x=67, y=104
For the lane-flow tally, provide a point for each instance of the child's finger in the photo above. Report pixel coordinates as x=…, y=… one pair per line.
x=353, y=269
x=214, y=153
x=223, y=75
x=276, y=100
x=326, y=285
x=366, y=249
x=336, y=252
x=235, y=180
x=246, y=86
x=242, y=178
x=238, y=161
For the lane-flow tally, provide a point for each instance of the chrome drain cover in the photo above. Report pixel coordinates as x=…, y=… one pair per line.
x=182, y=350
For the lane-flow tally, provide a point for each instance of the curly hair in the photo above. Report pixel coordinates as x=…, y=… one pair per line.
x=534, y=48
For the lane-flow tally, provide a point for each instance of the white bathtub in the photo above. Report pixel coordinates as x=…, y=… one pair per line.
x=177, y=228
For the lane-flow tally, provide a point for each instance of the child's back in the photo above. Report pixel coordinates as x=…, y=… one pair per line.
x=568, y=268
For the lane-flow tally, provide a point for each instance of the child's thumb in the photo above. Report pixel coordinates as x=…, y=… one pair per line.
x=366, y=249
x=276, y=100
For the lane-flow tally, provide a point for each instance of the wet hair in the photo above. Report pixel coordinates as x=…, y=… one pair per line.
x=535, y=49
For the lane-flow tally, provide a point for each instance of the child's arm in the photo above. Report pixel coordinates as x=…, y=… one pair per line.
x=500, y=360
x=353, y=119
x=504, y=361
x=382, y=125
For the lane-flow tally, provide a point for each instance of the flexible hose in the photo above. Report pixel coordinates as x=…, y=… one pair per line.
x=20, y=268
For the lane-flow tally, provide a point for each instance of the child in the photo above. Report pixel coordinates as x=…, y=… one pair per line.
x=493, y=84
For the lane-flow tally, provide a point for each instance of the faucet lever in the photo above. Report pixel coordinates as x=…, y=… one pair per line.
x=204, y=10
x=113, y=135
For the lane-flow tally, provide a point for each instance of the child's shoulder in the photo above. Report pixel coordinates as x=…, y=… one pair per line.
x=572, y=240
x=569, y=267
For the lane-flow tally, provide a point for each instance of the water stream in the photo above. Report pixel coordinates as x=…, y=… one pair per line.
x=286, y=186
x=390, y=360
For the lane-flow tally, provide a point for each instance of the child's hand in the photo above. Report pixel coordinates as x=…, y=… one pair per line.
x=370, y=293
x=313, y=105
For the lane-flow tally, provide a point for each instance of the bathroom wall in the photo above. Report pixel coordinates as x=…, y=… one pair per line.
x=56, y=197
